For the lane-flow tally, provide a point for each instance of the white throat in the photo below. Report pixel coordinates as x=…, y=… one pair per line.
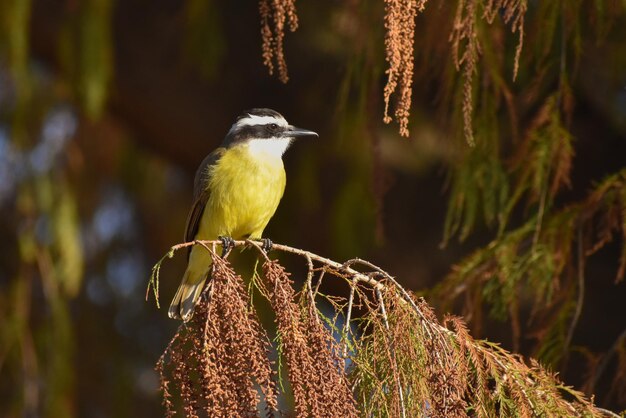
x=274, y=147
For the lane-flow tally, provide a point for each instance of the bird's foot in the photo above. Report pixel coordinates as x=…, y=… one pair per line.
x=227, y=244
x=266, y=245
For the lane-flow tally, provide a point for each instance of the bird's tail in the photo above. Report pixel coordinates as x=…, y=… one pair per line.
x=187, y=296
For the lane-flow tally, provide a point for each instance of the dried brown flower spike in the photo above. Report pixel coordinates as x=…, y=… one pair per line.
x=278, y=12
x=466, y=44
x=400, y=26
x=220, y=357
x=319, y=385
x=402, y=361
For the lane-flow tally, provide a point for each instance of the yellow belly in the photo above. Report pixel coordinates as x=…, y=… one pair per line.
x=244, y=193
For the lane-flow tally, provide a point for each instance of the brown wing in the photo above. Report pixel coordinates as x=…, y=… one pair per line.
x=201, y=194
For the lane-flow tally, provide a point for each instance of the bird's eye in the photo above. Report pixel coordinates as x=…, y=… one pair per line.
x=273, y=126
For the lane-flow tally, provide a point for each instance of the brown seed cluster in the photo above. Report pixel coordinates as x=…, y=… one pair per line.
x=464, y=37
x=411, y=370
x=219, y=360
x=399, y=47
x=513, y=12
x=448, y=378
x=404, y=362
x=315, y=369
x=274, y=15
x=466, y=47
x=408, y=365
x=399, y=40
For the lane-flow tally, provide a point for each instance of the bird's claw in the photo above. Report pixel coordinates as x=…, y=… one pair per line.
x=227, y=244
x=266, y=245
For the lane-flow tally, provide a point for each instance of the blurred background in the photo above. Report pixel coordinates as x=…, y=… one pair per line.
x=107, y=108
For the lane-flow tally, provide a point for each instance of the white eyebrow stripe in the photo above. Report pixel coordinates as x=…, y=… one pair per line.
x=253, y=120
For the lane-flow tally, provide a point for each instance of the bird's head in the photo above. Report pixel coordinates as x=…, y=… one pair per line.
x=264, y=131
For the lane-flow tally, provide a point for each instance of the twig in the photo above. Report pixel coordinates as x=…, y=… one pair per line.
x=609, y=413
x=404, y=293
x=540, y=213
x=309, y=277
x=581, y=293
x=345, y=268
x=607, y=359
x=309, y=289
x=393, y=352
x=255, y=245
x=346, y=326
x=319, y=282
x=383, y=311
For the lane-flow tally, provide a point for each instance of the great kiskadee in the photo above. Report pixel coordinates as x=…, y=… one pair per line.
x=236, y=192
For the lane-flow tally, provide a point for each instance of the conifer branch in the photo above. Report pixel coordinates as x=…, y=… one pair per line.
x=538, y=265
x=403, y=361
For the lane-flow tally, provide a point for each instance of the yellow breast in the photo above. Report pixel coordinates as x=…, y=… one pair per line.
x=245, y=186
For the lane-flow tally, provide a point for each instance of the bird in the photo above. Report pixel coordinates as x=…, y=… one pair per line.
x=237, y=189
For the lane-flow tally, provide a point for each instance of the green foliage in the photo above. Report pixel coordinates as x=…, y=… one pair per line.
x=204, y=42
x=390, y=358
x=47, y=267
x=86, y=54
x=44, y=344
x=15, y=16
x=555, y=343
x=543, y=162
x=352, y=214
x=155, y=274
x=478, y=185
x=14, y=44
x=534, y=266
x=535, y=263
x=68, y=251
x=356, y=224
x=354, y=208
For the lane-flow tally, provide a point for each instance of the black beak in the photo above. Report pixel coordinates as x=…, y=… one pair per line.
x=293, y=132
